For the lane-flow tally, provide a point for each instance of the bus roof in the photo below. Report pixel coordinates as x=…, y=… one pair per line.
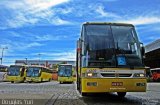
x=108, y=23
x=37, y=66
x=156, y=69
x=18, y=65
x=65, y=64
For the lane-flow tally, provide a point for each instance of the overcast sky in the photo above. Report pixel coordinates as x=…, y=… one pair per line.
x=51, y=27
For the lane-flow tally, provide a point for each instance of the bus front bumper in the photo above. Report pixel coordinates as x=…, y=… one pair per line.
x=65, y=79
x=95, y=85
x=14, y=78
x=33, y=79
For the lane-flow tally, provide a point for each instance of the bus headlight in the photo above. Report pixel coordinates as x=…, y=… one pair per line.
x=139, y=75
x=89, y=74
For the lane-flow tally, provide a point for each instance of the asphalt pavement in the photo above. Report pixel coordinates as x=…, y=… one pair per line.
x=53, y=93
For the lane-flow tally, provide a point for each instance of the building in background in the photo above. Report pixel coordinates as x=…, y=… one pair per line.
x=47, y=63
x=152, y=54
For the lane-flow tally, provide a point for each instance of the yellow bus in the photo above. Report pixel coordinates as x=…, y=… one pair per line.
x=109, y=59
x=65, y=73
x=38, y=74
x=16, y=73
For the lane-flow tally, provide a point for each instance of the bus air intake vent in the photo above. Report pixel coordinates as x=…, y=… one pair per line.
x=108, y=74
x=115, y=75
x=124, y=75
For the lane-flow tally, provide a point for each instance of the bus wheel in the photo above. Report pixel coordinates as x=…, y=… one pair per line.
x=84, y=94
x=121, y=94
x=154, y=80
x=78, y=84
x=12, y=81
x=24, y=79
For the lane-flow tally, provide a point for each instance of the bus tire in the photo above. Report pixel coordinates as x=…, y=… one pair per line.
x=121, y=94
x=84, y=94
x=78, y=84
x=154, y=80
x=23, y=80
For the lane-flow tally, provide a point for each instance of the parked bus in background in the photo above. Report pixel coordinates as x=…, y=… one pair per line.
x=3, y=72
x=65, y=73
x=38, y=74
x=16, y=73
x=155, y=74
x=110, y=59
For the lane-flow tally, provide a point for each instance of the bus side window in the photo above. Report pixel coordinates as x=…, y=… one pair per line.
x=22, y=73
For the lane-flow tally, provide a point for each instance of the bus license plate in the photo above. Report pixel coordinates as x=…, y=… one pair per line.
x=117, y=83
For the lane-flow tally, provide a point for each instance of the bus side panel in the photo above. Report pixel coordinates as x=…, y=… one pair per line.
x=43, y=76
x=49, y=76
x=46, y=76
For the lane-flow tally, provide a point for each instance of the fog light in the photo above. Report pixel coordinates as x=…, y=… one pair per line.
x=141, y=75
x=140, y=84
x=91, y=83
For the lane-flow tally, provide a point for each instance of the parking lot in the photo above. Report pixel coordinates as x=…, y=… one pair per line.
x=49, y=93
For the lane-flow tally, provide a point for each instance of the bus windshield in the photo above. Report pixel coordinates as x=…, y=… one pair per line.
x=110, y=46
x=14, y=71
x=65, y=71
x=33, y=72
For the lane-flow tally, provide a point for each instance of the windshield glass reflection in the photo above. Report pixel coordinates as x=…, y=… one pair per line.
x=65, y=71
x=105, y=45
x=13, y=71
x=33, y=72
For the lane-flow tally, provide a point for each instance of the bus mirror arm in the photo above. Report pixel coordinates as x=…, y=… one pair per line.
x=81, y=40
x=142, y=50
x=82, y=55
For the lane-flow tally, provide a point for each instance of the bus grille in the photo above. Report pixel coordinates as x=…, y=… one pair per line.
x=107, y=75
x=115, y=75
x=125, y=75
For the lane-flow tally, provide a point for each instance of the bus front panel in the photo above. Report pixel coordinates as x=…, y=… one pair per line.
x=113, y=80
